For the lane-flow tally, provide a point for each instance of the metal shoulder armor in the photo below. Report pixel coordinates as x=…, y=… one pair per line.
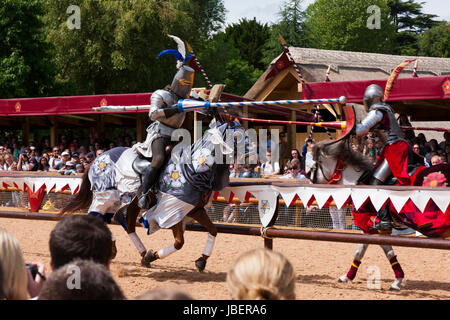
x=160, y=100
x=372, y=118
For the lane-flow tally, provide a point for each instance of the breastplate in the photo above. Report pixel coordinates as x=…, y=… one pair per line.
x=393, y=131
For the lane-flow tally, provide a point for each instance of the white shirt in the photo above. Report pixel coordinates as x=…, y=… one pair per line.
x=269, y=167
x=298, y=177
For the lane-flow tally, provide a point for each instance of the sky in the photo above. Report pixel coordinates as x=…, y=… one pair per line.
x=266, y=11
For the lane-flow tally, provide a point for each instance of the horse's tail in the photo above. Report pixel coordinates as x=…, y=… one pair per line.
x=83, y=198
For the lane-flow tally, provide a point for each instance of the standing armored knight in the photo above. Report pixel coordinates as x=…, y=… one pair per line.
x=397, y=158
x=166, y=118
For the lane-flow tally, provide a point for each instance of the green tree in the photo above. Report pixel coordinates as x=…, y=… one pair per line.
x=409, y=22
x=290, y=25
x=25, y=67
x=240, y=76
x=344, y=25
x=223, y=64
x=435, y=42
x=249, y=37
x=116, y=47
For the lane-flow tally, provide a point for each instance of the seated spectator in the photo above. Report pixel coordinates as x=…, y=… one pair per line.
x=294, y=171
x=94, y=283
x=2, y=162
x=17, y=282
x=43, y=165
x=9, y=162
x=261, y=274
x=99, y=152
x=309, y=161
x=65, y=157
x=90, y=157
x=164, y=294
x=79, y=236
x=270, y=167
x=238, y=170
x=79, y=168
x=249, y=172
x=295, y=154
x=446, y=143
x=436, y=159
x=24, y=163
x=68, y=169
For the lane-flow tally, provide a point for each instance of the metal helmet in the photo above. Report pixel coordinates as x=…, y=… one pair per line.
x=373, y=94
x=183, y=81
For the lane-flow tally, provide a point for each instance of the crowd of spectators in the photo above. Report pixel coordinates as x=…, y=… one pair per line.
x=80, y=258
x=71, y=156
x=299, y=165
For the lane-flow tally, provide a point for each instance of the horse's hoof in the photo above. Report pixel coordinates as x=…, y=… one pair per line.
x=398, y=284
x=149, y=256
x=344, y=279
x=200, y=263
x=113, y=250
x=145, y=263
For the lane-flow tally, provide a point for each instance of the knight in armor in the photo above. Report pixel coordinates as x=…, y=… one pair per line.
x=397, y=160
x=166, y=118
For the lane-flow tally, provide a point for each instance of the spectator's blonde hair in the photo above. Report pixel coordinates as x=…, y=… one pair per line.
x=261, y=274
x=12, y=265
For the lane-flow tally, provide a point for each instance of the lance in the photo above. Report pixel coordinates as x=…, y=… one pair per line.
x=339, y=125
x=189, y=105
x=199, y=66
x=297, y=70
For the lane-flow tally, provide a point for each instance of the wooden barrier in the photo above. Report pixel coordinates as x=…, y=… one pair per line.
x=270, y=233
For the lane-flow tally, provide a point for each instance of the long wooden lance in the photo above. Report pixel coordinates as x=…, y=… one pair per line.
x=187, y=104
x=199, y=66
x=297, y=70
x=339, y=125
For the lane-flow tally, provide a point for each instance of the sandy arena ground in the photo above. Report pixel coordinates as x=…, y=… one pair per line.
x=317, y=264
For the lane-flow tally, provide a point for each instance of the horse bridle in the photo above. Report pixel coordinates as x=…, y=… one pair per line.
x=317, y=165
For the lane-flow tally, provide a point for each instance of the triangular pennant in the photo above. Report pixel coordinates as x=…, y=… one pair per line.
x=420, y=199
x=304, y=194
x=321, y=195
x=399, y=198
x=359, y=196
x=226, y=192
x=288, y=194
x=73, y=185
x=60, y=183
x=441, y=199
x=8, y=181
x=340, y=196
x=21, y=184
x=378, y=198
x=38, y=183
x=240, y=193
x=49, y=184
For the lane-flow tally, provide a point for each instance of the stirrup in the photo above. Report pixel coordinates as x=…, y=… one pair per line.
x=382, y=225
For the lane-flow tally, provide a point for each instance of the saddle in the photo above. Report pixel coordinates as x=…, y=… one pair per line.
x=141, y=163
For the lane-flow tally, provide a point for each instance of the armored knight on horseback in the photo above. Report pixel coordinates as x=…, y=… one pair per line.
x=166, y=118
x=398, y=160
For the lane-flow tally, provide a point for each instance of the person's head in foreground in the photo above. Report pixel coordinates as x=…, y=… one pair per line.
x=12, y=267
x=81, y=280
x=164, y=294
x=261, y=274
x=80, y=237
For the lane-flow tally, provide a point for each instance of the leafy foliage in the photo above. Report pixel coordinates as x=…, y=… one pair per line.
x=26, y=68
x=435, y=42
x=342, y=25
